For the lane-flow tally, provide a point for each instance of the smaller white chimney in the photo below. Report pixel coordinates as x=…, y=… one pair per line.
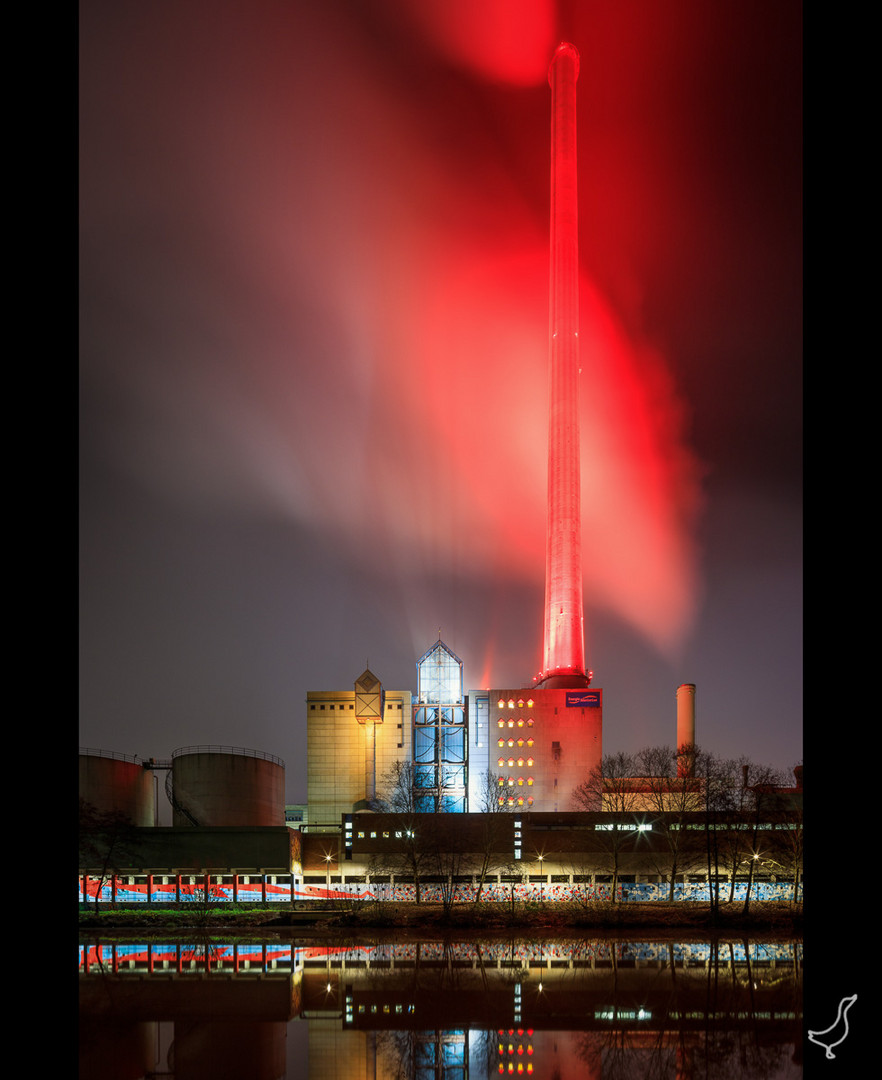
x=686, y=728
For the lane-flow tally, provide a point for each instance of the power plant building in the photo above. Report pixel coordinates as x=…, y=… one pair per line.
x=522, y=749
x=353, y=736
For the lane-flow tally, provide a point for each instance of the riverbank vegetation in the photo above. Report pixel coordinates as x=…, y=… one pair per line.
x=602, y=915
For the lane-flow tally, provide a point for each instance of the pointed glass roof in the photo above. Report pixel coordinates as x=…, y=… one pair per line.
x=439, y=676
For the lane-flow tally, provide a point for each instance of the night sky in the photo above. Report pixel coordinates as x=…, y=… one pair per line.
x=313, y=358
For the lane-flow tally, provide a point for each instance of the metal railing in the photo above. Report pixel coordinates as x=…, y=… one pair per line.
x=240, y=750
x=89, y=751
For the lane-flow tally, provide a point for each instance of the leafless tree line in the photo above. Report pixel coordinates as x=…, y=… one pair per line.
x=708, y=814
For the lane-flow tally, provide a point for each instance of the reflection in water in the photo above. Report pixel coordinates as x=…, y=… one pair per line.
x=441, y=1009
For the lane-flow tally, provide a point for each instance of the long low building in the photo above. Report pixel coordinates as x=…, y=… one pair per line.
x=584, y=855
x=451, y=858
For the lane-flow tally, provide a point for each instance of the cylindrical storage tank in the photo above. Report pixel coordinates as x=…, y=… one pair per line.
x=685, y=728
x=207, y=1049
x=227, y=785
x=129, y=1045
x=117, y=782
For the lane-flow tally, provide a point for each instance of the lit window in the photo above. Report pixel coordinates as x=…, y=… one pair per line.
x=529, y=761
x=520, y=781
x=511, y=742
x=529, y=800
x=511, y=703
x=501, y=722
x=521, y=762
x=501, y=761
x=501, y=742
x=529, y=703
x=501, y=703
x=530, y=722
x=530, y=780
x=511, y=762
x=511, y=723
x=511, y=781
x=520, y=742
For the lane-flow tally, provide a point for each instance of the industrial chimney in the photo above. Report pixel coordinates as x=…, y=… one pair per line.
x=686, y=729
x=564, y=648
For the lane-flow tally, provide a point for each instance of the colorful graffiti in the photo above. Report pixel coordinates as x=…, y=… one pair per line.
x=289, y=891
x=183, y=957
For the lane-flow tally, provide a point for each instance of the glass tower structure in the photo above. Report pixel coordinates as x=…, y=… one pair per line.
x=440, y=744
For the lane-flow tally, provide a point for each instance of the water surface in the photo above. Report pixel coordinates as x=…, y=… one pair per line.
x=436, y=1008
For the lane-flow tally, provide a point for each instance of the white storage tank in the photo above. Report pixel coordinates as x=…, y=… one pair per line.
x=117, y=782
x=227, y=785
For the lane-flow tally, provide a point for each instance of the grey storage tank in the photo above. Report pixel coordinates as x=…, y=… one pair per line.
x=114, y=782
x=226, y=785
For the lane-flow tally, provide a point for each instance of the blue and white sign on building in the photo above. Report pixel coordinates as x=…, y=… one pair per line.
x=583, y=699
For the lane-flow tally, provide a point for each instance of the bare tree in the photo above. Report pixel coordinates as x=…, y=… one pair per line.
x=717, y=797
x=673, y=800
x=494, y=837
x=749, y=808
x=396, y=790
x=789, y=843
x=783, y=808
x=447, y=855
x=203, y=899
x=106, y=840
x=611, y=787
x=413, y=853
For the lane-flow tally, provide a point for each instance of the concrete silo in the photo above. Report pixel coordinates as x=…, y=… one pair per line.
x=226, y=785
x=117, y=782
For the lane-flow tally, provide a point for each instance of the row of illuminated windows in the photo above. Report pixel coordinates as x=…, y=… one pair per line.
x=624, y=828
x=721, y=826
x=386, y=1009
x=510, y=782
x=511, y=762
x=516, y=800
x=511, y=742
x=332, y=706
x=746, y=826
x=385, y=834
x=515, y=1049
x=469, y=879
x=511, y=703
x=514, y=723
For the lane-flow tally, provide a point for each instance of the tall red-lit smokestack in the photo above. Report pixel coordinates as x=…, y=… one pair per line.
x=564, y=654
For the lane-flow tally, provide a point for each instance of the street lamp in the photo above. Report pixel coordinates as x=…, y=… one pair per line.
x=328, y=858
